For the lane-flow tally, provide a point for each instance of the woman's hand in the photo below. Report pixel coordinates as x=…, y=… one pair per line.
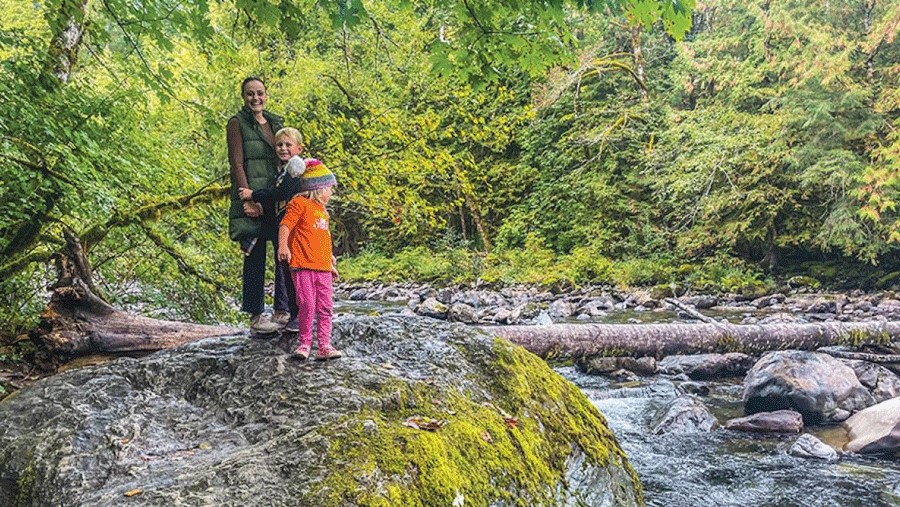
x=253, y=209
x=245, y=194
x=284, y=254
x=334, y=272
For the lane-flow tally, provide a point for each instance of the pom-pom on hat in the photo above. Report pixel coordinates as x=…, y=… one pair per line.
x=296, y=166
x=316, y=176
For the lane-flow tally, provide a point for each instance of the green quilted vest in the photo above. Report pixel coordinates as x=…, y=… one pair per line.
x=261, y=167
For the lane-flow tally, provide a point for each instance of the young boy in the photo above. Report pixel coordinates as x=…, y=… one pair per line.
x=288, y=146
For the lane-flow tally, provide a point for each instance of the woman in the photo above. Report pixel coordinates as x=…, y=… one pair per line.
x=254, y=165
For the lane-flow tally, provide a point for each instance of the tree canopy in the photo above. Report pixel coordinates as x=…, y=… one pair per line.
x=633, y=141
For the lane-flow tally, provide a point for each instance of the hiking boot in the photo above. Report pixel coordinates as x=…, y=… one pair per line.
x=328, y=353
x=281, y=318
x=301, y=352
x=261, y=325
x=292, y=326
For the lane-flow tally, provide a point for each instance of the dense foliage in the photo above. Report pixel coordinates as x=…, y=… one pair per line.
x=518, y=140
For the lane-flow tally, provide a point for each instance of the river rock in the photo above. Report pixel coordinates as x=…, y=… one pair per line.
x=808, y=446
x=817, y=385
x=359, y=294
x=707, y=366
x=684, y=414
x=779, y=421
x=503, y=316
x=433, y=308
x=881, y=382
x=604, y=365
x=888, y=308
x=417, y=412
x=875, y=429
x=461, y=312
x=561, y=309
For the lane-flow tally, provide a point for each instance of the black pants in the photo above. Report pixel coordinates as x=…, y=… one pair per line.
x=253, y=301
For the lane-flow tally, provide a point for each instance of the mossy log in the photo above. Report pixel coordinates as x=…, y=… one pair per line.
x=659, y=340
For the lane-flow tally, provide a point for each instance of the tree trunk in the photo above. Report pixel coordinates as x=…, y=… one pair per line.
x=569, y=341
x=78, y=321
x=67, y=36
x=637, y=54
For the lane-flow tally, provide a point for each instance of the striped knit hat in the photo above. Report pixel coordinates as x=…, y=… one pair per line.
x=316, y=176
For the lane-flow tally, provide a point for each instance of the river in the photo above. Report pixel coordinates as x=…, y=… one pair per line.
x=721, y=467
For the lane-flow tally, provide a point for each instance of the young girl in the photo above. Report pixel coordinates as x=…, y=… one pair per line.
x=304, y=241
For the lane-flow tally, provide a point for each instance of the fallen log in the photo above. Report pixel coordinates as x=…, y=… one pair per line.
x=78, y=322
x=569, y=341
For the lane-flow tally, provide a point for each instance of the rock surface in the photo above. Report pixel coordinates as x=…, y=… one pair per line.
x=707, y=366
x=875, y=429
x=816, y=385
x=808, y=446
x=684, y=414
x=779, y=421
x=232, y=422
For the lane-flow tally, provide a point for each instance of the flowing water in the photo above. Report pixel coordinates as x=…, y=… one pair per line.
x=729, y=468
x=722, y=467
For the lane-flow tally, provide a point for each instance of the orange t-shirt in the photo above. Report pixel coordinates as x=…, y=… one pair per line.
x=310, y=238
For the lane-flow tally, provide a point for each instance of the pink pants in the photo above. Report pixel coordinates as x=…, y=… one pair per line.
x=313, y=301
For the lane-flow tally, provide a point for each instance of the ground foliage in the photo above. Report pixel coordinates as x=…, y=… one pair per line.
x=514, y=140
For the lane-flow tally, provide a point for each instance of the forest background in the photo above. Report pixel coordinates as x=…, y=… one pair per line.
x=555, y=143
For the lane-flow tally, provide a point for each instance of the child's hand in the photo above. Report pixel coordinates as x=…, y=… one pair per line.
x=284, y=254
x=245, y=194
x=253, y=210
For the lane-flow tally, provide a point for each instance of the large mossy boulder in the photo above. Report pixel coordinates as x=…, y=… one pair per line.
x=417, y=413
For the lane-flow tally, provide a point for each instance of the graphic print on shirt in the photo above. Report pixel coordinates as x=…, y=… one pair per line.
x=321, y=221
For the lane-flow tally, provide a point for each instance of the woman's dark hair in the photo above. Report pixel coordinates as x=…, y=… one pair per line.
x=250, y=80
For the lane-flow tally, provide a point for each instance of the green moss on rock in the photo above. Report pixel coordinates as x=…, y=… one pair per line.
x=511, y=444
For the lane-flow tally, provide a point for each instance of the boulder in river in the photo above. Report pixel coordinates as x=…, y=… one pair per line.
x=684, y=414
x=818, y=386
x=417, y=412
x=779, y=421
x=808, y=446
x=876, y=429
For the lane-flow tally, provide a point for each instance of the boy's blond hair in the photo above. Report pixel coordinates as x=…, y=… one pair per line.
x=314, y=195
x=291, y=133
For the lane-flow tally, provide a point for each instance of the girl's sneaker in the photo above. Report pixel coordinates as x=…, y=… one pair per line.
x=328, y=353
x=302, y=352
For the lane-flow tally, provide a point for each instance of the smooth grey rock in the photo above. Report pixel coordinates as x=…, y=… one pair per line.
x=503, y=316
x=233, y=422
x=818, y=386
x=561, y=309
x=444, y=296
x=875, y=429
x=808, y=446
x=702, y=302
x=881, y=382
x=359, y=294
x=779, y=421
x=461, y=312
x=433, y=308
x=684, y=414
x=542, y=319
